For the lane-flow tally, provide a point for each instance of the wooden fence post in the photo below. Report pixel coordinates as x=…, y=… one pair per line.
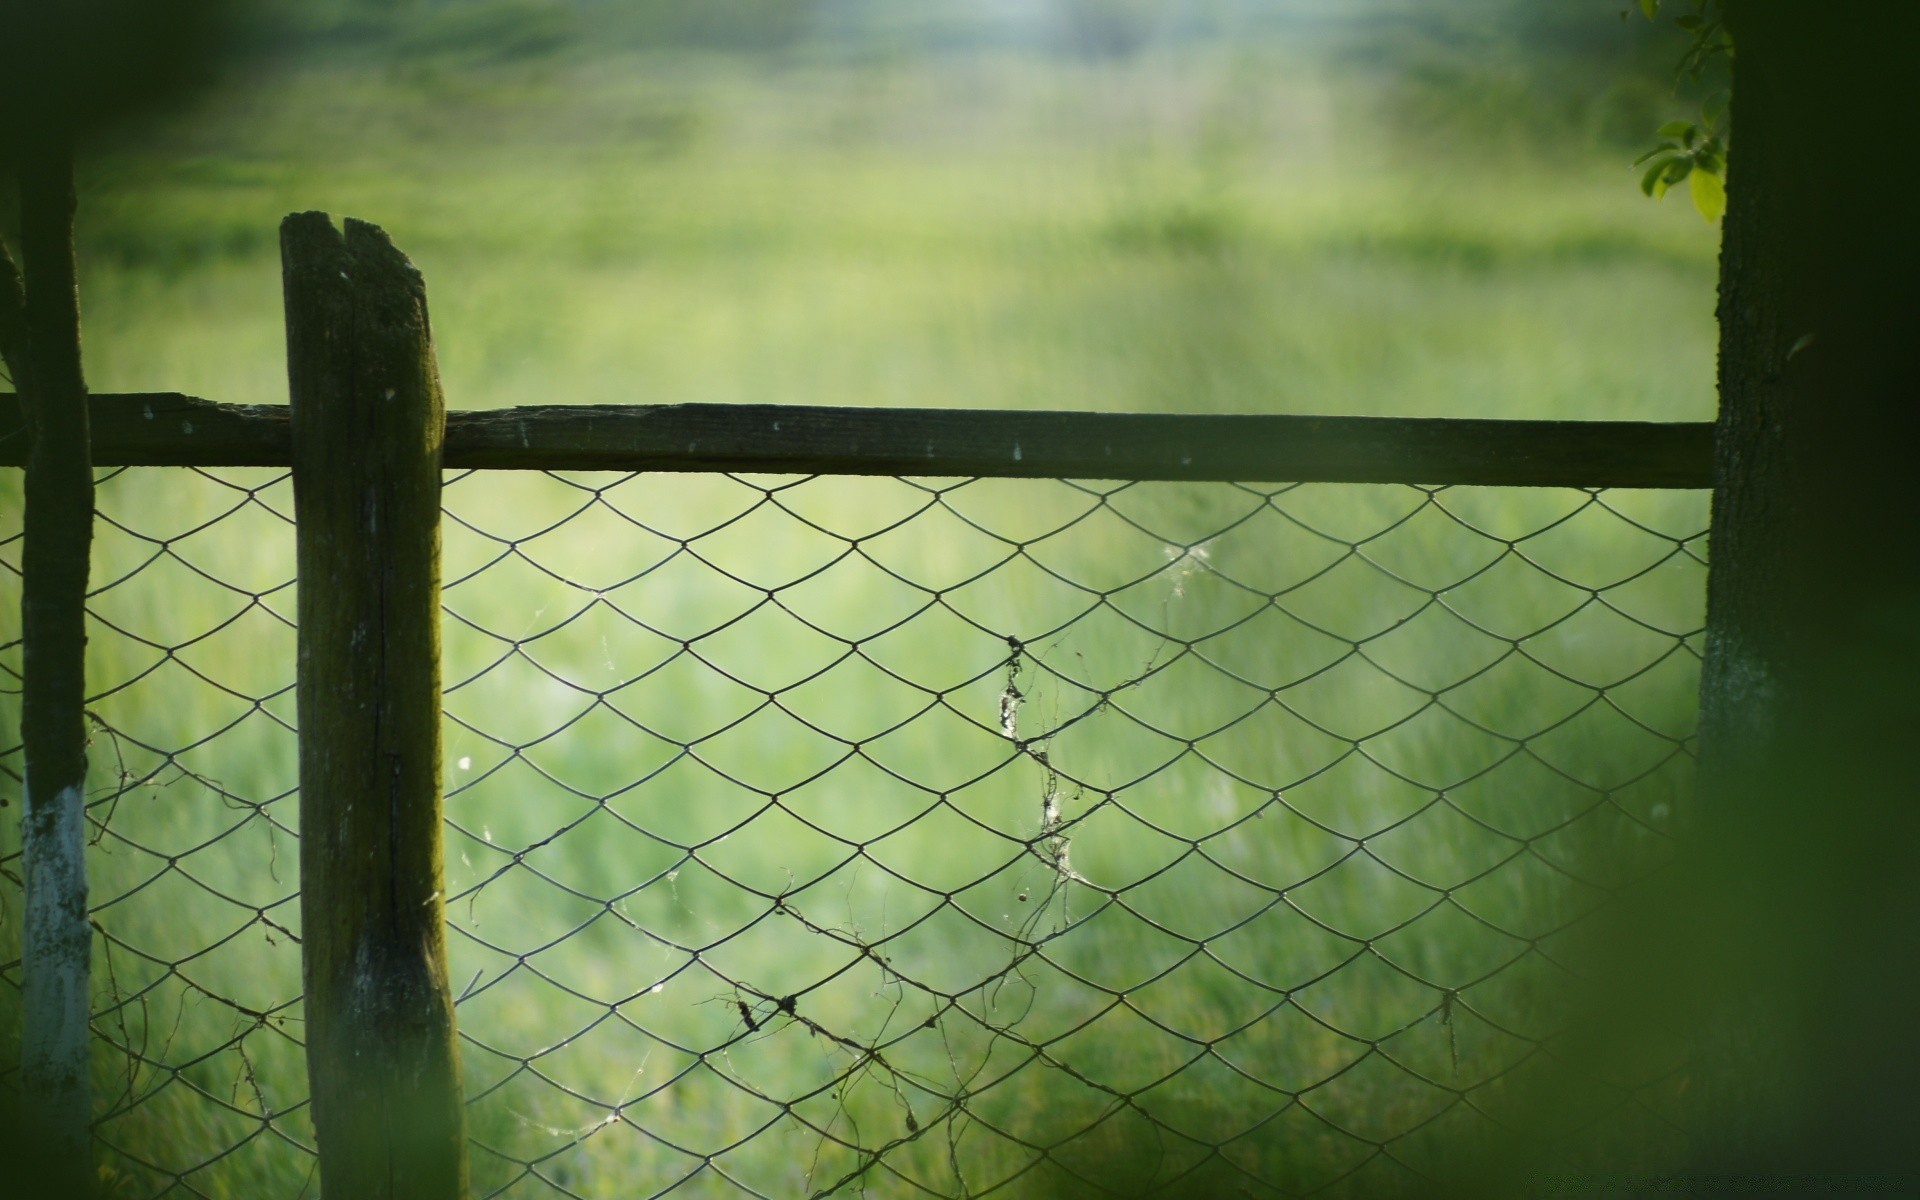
x=41, y=342
x=368, y=423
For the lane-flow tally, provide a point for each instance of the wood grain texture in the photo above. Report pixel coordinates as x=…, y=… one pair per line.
x=166, y=428
x=368, y=422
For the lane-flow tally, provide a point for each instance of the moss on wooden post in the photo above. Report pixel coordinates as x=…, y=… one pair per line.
x=368, y=424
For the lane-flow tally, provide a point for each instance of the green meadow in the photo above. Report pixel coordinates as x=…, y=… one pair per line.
x=903, y=837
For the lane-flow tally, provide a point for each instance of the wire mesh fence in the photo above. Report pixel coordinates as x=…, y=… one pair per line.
x=198, y=1069
x=916, y=836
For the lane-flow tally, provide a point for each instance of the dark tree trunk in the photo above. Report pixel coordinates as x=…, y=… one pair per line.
x=1806, y=947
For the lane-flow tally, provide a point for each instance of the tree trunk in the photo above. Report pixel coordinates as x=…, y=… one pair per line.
x=1805, y=950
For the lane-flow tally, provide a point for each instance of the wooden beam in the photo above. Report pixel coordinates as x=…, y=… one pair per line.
x=946, y=442
x=171, y=429
x=167, y=429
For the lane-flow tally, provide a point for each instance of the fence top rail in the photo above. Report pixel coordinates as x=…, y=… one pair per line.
x=169, y=429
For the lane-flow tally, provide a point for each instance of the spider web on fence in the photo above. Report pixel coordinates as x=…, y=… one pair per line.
x=917, y=837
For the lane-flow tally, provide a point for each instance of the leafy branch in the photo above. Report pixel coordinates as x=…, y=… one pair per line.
x=1708, y=25
x=1693, y=152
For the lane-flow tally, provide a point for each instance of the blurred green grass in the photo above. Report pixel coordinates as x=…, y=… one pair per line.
x=1200, y=228
x=1167, y=233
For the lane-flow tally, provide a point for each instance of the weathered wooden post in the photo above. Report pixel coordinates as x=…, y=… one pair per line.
x=40, y=341
x=368, y=423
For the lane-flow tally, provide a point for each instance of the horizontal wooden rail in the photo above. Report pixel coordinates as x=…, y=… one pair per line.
x=168, y=429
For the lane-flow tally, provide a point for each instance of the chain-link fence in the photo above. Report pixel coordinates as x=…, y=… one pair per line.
x=915, y=836
x=193, y=870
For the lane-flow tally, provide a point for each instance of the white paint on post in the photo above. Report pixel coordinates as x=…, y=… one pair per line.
x=55, y=964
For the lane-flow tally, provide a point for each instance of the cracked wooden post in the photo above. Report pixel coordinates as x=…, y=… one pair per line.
x=368, y=424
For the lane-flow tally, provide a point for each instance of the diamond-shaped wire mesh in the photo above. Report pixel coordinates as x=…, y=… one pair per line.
x=199, y=1075
x=927, y=837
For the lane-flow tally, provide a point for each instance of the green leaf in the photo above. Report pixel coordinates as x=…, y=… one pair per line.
x=1709, y=194
x=1715, y=109
x=1650, y=8
x=1662, y=148
x=1652, y=181
x=1675, y=129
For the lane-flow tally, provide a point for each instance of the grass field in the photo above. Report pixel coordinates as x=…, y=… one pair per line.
x=1313, y=778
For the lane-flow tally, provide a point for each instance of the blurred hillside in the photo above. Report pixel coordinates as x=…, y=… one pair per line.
x=1069, y=26
x=1478, y=66
x=1304, y=205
